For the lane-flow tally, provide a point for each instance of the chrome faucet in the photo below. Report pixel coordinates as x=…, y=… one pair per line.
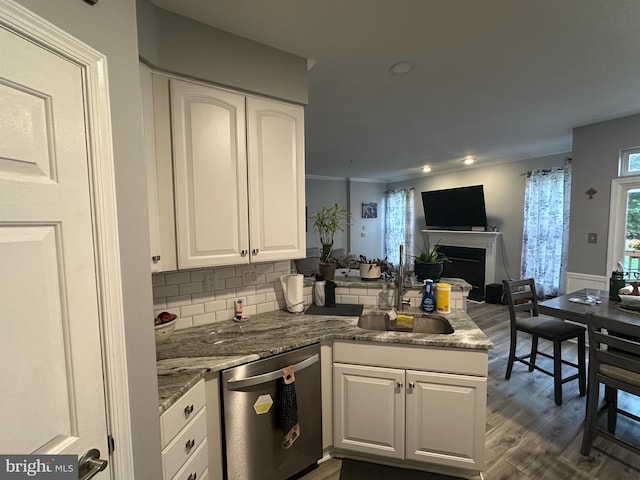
x=400, y=284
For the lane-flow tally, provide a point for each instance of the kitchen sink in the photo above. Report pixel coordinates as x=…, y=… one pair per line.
x=421, y=324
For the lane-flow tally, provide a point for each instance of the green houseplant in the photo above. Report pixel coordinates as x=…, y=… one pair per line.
x=327, y=221
x=429, y=263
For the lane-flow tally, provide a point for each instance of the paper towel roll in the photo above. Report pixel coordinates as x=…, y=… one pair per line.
x=293, y=287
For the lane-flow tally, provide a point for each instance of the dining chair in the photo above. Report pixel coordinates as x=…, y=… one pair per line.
x=522, y=299
x=614, y=360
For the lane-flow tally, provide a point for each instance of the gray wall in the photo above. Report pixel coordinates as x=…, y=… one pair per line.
x=372, y=244
x=324, y=192
x=596, y=150
x=504, y=200
x=187, y=47
x=110, y=27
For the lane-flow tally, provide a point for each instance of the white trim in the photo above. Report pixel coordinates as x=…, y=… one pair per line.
x=617, y=220
x=23, y=22
x=578, y=281
x=465, y=238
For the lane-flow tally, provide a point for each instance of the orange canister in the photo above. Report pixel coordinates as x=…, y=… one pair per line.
x=443, y=298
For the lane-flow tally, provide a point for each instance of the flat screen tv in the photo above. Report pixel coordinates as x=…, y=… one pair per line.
x=455, y=208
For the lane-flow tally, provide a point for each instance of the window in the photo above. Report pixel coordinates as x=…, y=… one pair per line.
x=629, y=162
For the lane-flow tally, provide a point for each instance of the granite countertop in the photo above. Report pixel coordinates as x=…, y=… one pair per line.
x=457, y=284
x=189, y=354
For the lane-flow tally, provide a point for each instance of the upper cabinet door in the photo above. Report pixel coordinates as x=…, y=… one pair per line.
x=275, y=139
x=210, y=175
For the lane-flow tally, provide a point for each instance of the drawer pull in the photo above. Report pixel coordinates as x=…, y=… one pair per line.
x=190, y=444
x=399, y=384
x=188, y=410
x=192, y=476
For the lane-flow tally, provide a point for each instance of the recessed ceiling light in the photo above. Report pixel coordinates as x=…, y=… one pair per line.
x=426, y=169
x=468, y=160
x=400, y=68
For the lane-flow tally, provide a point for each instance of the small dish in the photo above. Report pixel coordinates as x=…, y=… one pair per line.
x=164, y=326
x=630, y=301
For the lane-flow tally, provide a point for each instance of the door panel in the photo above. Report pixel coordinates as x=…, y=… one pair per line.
x=446, y=419
x=275, y=139
x=369, y=409
x=210, y=175
x=50, y=350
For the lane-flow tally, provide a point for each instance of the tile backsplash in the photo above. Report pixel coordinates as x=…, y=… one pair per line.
x=207, y=295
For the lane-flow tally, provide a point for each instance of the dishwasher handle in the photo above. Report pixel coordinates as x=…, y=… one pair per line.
x=236, y=384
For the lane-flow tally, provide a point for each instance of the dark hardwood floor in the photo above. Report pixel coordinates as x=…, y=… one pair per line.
x=528, y=437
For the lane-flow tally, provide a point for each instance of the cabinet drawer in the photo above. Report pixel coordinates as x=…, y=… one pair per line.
x=434, y=359
x=184, y=446
x=196, y=466
x=181, y=412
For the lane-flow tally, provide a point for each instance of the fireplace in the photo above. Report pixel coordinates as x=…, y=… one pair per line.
x=469, y=264
x=477, y=253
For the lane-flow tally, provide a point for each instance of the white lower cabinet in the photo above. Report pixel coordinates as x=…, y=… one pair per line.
x=183, y=431
x=410, y=414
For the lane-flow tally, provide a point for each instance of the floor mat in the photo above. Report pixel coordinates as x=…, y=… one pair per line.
x=355, y=470
x=342, y=310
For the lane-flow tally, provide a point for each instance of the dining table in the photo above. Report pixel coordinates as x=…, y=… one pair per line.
x=574, y=307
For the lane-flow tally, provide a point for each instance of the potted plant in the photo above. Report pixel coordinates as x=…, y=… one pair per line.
x=373, y=268
x=327, y=221
x=429, y=263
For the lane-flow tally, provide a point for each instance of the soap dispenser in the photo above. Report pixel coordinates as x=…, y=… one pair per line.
x=383, y=297
x=428, y=304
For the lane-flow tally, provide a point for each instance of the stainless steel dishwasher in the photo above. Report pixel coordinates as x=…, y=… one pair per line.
x=253, y=438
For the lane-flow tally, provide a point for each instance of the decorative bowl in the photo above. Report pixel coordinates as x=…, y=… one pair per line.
x=164, y=327
x=630, y=301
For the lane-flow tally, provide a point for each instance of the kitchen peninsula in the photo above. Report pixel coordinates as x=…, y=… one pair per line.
x=197, y=353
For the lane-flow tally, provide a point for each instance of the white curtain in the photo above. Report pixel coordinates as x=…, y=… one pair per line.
x=546, y=229
x=398, y=224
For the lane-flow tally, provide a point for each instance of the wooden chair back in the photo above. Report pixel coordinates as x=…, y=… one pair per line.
x=521, y=297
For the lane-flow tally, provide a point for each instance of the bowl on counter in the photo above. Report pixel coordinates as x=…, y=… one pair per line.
x=165, y=324
x=630, y=301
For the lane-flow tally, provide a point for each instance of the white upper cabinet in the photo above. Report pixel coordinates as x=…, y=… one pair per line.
x=275, y=143
x=210, y=169
x=239, y=180
x=225, y=175
x=158, y=158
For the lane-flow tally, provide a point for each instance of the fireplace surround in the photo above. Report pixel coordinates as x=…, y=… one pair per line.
x=470, y=249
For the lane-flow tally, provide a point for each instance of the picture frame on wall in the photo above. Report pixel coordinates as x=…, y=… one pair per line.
x=369, y=210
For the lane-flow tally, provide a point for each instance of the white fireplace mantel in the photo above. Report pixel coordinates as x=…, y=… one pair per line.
x=489, y=241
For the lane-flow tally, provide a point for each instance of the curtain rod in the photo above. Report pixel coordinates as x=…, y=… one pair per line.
x=543, y=171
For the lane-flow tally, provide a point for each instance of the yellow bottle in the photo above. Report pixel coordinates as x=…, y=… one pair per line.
x=443, y=297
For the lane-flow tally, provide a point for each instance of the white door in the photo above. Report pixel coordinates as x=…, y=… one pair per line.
x=275, y=151
x=50, y=349
x=210, y=167
x=369, y=410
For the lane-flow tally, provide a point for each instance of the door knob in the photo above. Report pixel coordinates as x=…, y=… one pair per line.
x=90, y=464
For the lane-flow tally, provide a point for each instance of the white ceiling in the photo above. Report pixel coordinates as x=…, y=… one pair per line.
x=501, y=80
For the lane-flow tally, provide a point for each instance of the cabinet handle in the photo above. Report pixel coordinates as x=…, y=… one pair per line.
x=188, y=410
x=155, y=258
x=412, y=385
x=255, y=251
x=399, y=384
x=243, y=253
x=190, y=444
x=192, y=476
